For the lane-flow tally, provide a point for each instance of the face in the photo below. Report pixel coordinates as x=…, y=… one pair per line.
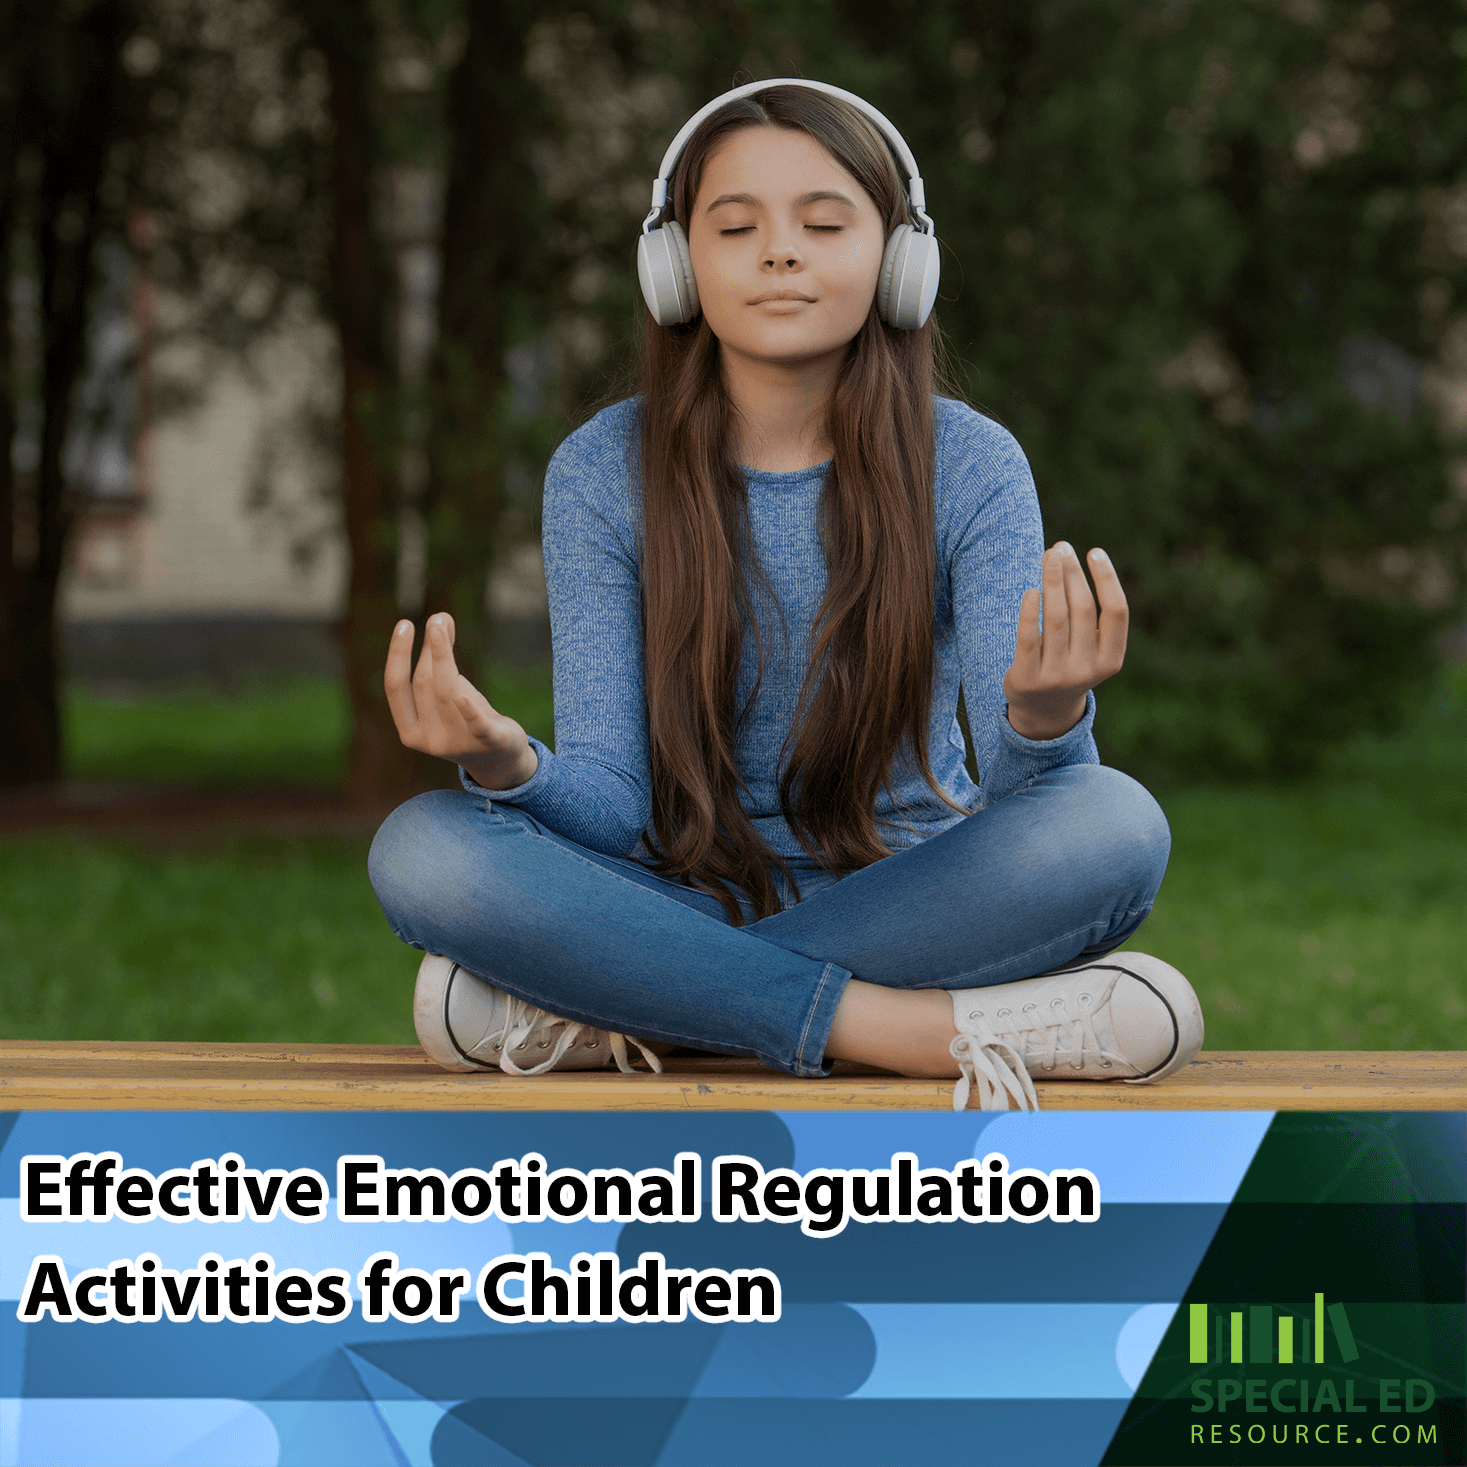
x=786, y=247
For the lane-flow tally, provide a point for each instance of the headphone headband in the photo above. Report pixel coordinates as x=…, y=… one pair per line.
x=906, y=284
x=916, y=195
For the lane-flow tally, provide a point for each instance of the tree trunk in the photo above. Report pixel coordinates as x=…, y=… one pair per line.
x=360, y=299
x=490, y=251
x=11, y=761
x=69, y=113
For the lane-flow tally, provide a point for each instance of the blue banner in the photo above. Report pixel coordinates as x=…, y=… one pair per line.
x=426, y=1289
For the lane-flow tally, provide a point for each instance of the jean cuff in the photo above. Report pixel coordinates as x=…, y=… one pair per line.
x=816, y=1033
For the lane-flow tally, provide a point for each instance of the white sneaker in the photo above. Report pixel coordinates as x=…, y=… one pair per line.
x=1123, y=1016
x=465, y=1023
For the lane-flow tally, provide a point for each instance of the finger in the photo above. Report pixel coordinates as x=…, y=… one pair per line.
x=397, y=680
x=1056, y=610
x=1027, y=642
x=423, y=673
x=478, y=715
x=1115, y=614
x=445, y=669
x=1081, y=606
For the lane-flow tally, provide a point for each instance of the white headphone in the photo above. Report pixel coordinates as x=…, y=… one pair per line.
x=910, y=267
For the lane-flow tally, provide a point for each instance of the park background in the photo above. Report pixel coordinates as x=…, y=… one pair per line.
x=301, y=294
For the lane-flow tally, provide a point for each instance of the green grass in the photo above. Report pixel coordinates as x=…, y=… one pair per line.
x=293, y=735
x=241, y=940
x=1331, y=914
x=261, y=940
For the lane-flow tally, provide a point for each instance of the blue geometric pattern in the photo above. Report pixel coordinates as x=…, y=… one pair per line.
x=896, y=1343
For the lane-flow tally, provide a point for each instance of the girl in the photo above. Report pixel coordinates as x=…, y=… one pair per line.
x=770, y=573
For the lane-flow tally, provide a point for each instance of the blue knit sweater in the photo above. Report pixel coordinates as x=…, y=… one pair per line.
x=595, y=788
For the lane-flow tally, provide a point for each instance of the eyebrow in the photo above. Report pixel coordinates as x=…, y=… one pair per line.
x=816, y=196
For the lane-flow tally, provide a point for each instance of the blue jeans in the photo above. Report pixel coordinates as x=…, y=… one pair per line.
x=1068, y=865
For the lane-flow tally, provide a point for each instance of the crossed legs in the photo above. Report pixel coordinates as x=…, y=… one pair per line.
x=1066, y=866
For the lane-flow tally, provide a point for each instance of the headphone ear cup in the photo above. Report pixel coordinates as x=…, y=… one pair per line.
x=907, y=286
x=684, y=259
x=665, y=270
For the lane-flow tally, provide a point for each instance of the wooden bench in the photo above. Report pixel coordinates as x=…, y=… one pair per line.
x=40, y=1075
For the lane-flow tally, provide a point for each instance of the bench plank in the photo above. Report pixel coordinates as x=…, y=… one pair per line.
x=48, y=1075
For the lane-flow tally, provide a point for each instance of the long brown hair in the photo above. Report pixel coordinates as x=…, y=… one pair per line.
x=867, y=691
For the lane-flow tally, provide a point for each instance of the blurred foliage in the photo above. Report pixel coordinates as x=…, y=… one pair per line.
x=1202, y=278
x=1205, y=258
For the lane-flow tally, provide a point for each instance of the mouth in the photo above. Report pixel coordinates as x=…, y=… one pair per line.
x=782, y=296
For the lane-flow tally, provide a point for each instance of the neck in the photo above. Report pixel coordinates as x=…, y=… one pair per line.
x=781, y=408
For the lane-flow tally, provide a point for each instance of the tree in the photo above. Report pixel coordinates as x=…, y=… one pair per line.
x=66, y=110
x=358, y=299
x=495, y=268
x=480, y=141
x=262, y=186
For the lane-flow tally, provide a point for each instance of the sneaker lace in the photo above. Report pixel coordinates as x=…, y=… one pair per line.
x=1037, y=1035
x=524, y=1020
x=991, y=1065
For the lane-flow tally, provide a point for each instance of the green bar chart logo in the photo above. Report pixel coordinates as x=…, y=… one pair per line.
x=1215, y=1334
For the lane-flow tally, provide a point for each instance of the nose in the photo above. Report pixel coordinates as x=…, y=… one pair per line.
x=780, y=253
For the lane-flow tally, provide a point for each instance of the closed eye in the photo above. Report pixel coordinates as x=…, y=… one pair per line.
x=822, y=228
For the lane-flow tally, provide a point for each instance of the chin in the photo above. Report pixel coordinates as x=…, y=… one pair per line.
x=795, y=344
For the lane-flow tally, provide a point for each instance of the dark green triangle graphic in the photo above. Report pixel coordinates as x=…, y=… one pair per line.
x=1348, y=1236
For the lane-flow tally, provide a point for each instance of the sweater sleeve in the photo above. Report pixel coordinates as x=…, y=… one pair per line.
x=595, y=788
x=994, y=541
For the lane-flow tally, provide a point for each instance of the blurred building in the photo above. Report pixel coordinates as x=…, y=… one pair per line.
x=208, y=542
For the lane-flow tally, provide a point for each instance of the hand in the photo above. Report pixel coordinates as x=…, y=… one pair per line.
x=1053, y=671
x=439, y=711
